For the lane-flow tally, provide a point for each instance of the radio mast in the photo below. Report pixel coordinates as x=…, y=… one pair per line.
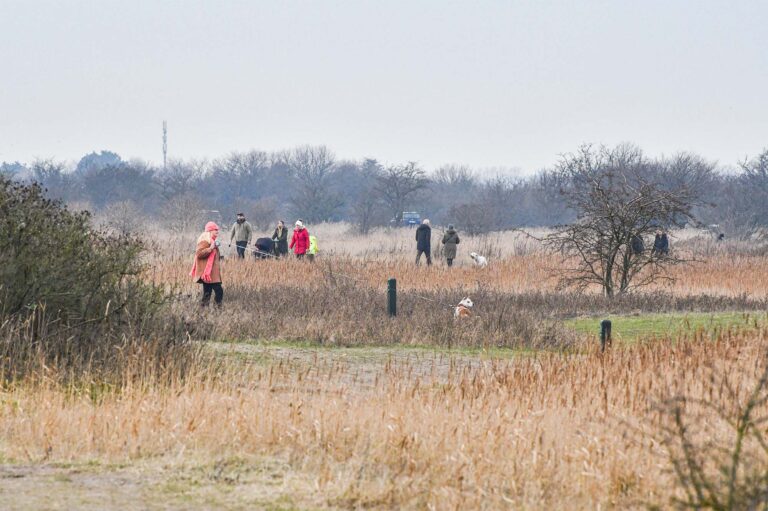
x=165, y=144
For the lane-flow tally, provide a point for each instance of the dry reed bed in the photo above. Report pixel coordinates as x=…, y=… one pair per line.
x=537, y=432
x=343, y=302
x=719, y=275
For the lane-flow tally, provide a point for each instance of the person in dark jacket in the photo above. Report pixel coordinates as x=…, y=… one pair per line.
x=450, y=240
x=661, y=243
x=264, y=248
x=280, y=237
x=637, y=245
x=424, y=242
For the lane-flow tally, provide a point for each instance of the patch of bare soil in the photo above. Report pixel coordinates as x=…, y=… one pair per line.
x=232, y=483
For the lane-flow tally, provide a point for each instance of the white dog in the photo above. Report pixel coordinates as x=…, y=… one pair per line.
x=480, y=261
x=463, y=309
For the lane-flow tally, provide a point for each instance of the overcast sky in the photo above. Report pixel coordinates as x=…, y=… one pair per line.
x=488, y=84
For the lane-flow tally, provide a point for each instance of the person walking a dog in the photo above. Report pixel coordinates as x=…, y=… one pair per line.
x=280, y=237
x=241, y=234
x=450, y=240
x=424, y=242
x=299, y=240
x=206, y=269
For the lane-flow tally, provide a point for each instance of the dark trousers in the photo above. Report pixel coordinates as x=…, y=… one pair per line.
x=426, y=253
x=212, y=288
x=299, y=256
x=241, y=248
x=450, y=262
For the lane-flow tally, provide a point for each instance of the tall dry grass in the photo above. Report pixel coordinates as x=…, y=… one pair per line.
x=342, y=301
x=546, y=431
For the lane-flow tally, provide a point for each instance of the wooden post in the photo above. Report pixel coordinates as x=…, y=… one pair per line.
x=392, y=297
x=605, y=334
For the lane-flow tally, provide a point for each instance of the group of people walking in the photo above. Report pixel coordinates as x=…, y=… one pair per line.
x=424, y=243
x=206, y=268
x=302, y=243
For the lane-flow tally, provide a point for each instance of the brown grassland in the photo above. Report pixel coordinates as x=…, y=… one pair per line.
x=305, y=395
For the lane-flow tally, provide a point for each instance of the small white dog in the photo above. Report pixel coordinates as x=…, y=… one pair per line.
x=463, y=309
x=480, y=261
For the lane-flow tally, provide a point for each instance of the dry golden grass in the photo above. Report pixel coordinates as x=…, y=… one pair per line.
x=421, y=431
x=517, y=263
x=391, y=427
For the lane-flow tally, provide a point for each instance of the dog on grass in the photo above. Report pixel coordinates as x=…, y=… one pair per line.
x=463, y=309
x=480, y=261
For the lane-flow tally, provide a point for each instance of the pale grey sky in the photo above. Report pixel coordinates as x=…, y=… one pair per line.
x=502, y=83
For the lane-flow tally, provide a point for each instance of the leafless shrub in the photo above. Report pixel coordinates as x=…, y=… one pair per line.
x=716, y=444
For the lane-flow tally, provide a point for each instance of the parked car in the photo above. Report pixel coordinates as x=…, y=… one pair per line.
x=411, y=218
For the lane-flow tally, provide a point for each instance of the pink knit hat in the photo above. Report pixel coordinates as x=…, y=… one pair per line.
x=211, y=226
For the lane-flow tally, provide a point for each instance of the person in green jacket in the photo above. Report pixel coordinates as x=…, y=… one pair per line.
x=450, y=240
x=241, y=234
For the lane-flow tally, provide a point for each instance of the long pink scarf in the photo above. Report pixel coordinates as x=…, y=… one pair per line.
x=208, y=265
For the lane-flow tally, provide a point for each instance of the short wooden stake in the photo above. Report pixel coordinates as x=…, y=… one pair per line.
x=605, y=334
x=392, y=297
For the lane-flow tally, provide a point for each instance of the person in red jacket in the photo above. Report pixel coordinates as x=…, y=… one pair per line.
x=299, y=240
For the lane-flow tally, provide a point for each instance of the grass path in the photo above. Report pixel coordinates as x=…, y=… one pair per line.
x=646, y=326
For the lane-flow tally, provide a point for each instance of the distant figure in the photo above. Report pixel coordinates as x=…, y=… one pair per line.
x=721, y=237
x=450, y=240
x=206, y=269
x=299, y=240
x=280, y=237
x=661, y=243
x=424, y=242
x=264, y=248
x=637, y=245
x=312, y=250
x=241, y=234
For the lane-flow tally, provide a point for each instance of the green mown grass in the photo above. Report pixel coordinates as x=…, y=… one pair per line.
x=633, y=328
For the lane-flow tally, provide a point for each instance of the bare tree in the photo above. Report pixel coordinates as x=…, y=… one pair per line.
x=314, y=198
x=123, y=217
x=263, y=213
x=182, y=212
x=474, y=218
x=53, y=177
x=616, y=206
x=397, y=184
x=755, y=180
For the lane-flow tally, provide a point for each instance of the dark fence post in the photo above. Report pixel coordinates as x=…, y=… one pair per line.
x=605, y=334
x=392, y=297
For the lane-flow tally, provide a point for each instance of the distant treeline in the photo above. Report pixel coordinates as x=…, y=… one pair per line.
x=309, y=182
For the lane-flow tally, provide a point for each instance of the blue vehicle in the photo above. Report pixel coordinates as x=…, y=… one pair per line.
x=411, y=218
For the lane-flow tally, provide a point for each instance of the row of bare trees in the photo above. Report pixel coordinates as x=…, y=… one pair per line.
x=312, y=183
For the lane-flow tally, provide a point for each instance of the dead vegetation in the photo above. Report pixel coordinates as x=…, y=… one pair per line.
x=551, y=423
x=423, y=431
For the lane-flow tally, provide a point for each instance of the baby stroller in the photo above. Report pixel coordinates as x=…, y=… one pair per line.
x=264, y=248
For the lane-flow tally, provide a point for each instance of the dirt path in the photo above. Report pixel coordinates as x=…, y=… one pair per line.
x=233, y=483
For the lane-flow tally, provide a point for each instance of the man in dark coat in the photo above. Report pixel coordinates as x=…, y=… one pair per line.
x=637, y=244
x=424, y=242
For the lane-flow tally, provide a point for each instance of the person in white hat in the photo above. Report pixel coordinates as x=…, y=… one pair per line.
x=299, y=240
